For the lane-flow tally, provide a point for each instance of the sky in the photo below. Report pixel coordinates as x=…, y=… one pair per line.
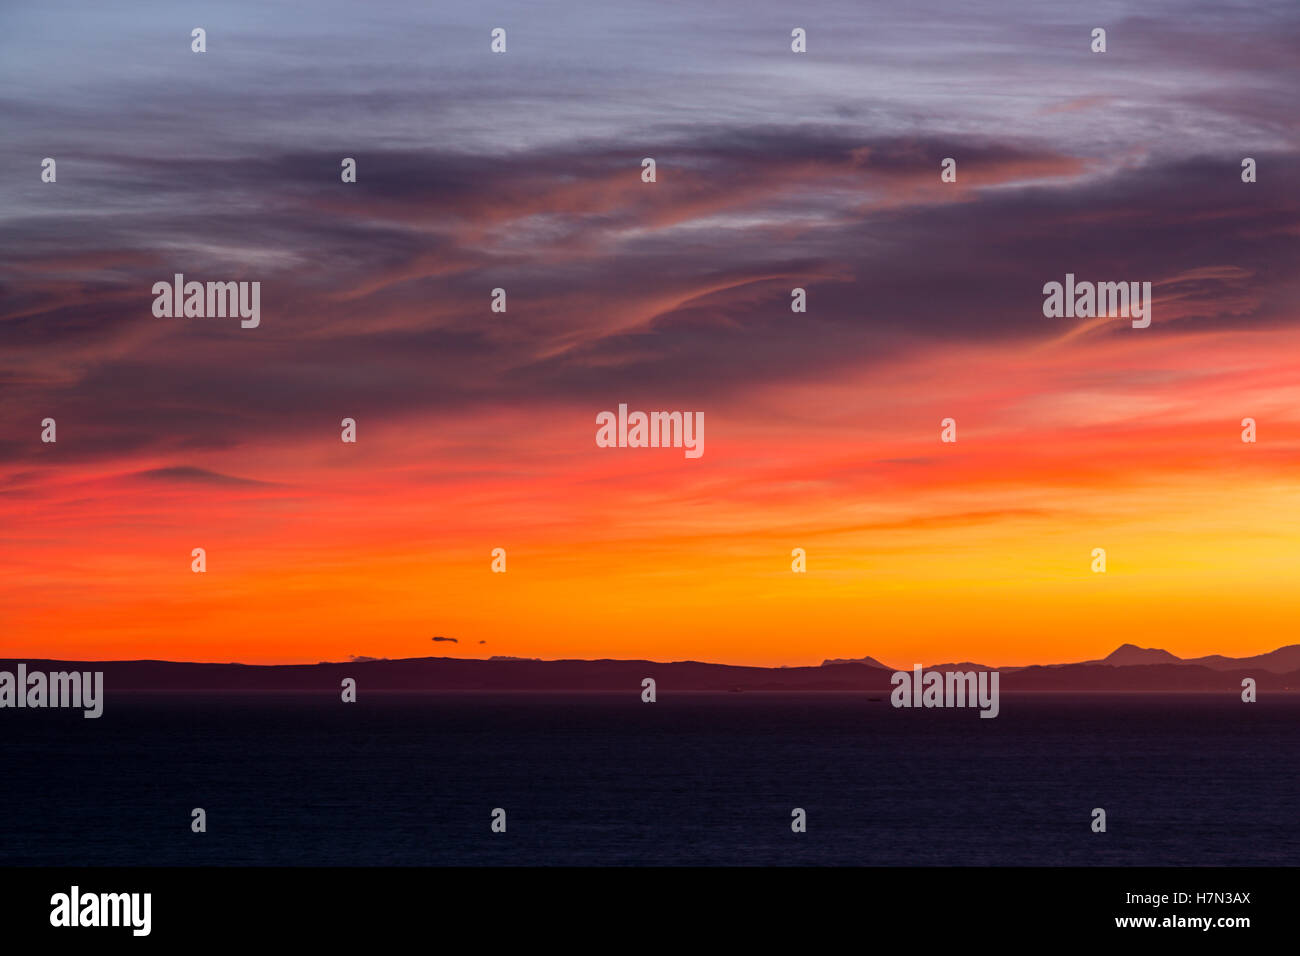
x=476, y=430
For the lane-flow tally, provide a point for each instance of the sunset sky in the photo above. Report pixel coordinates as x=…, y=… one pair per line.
x=477, y=430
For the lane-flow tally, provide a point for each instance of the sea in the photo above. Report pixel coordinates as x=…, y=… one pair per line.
x=591, y=779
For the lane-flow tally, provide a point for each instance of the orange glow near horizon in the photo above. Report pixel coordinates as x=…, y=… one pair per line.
x=918, y=551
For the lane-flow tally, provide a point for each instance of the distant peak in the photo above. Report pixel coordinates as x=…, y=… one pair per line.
x=1132, y=654
x=869, y=661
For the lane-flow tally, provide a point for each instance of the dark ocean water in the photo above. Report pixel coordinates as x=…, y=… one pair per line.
x=411, y=779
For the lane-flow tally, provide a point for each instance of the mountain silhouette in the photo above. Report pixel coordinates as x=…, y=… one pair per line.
x=1129, y=654
x=868, y=661
x=1280, y=661
x=1129, y=669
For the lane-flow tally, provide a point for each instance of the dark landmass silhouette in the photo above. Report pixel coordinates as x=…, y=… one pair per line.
x=1127, y=654
x=869, y=661
x=1128, y=669
x=1283, y=660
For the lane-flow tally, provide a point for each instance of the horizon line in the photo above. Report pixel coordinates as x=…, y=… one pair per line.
x=506, y=659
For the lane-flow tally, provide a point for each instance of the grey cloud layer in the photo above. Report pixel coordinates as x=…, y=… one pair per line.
x=522, y=172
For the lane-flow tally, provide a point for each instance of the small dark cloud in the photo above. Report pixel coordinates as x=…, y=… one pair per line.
x=361, y=658
x=196, y=475
x=451, y=639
